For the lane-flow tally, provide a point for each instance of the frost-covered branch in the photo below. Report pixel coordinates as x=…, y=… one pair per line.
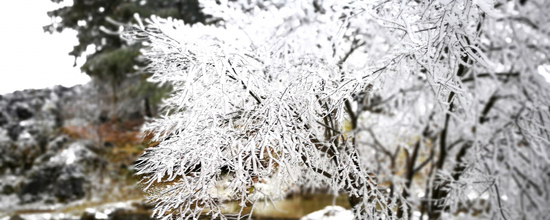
x=406, y=106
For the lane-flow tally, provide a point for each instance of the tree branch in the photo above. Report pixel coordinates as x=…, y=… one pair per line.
x=482, y=75
x=244, y=85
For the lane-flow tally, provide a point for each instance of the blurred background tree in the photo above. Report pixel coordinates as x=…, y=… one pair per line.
x=113, y=63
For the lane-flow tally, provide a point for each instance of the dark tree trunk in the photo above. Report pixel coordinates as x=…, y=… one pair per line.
x=148, y=111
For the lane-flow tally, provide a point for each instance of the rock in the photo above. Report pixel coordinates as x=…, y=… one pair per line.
x=62, y=175
x=52, y=108
x=3, y=119
x=65, y=183
x=125, y=214
x=13, y=131
x=39, y=182
x=61, y=90
x=70, y=184
x=7, y=189
x=9, y=184
x=16, y=217
x=23, y=111
x=5, y=139
x=88, y=216
x=49, y=168
x=7, y=162
x=76, y=152
x=57, y=143
x=26, y=139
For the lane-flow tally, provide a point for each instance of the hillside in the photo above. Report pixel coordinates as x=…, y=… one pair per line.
x=59, y=153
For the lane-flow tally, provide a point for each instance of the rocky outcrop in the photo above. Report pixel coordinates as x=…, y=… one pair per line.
x=60, y=175
x=38, y=163
x=52, y=148
x=28, y=119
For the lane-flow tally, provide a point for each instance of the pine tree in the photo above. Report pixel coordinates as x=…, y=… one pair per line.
x=114, y=62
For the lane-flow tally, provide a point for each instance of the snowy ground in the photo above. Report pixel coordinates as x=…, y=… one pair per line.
x=330, y=213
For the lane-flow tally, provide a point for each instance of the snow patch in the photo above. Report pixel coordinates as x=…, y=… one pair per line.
x=544, y=70
x=330, y=213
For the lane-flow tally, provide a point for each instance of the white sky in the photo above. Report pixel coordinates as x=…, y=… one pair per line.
x=30, y=58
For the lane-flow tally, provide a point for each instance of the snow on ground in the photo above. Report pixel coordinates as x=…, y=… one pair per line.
x=330, y=213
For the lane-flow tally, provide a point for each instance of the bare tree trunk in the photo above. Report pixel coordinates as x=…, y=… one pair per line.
x=148, y=111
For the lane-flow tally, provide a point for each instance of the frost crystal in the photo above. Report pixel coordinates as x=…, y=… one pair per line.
x=407, y=106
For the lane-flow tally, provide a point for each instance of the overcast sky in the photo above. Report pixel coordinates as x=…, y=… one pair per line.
x=30, y=58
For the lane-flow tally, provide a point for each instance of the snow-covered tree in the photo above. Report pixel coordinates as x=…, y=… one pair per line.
x=429, y=108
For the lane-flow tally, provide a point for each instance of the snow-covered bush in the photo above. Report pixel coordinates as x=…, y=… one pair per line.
x=424, y=107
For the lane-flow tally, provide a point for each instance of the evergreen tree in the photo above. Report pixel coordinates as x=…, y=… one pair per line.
x=114, y=61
